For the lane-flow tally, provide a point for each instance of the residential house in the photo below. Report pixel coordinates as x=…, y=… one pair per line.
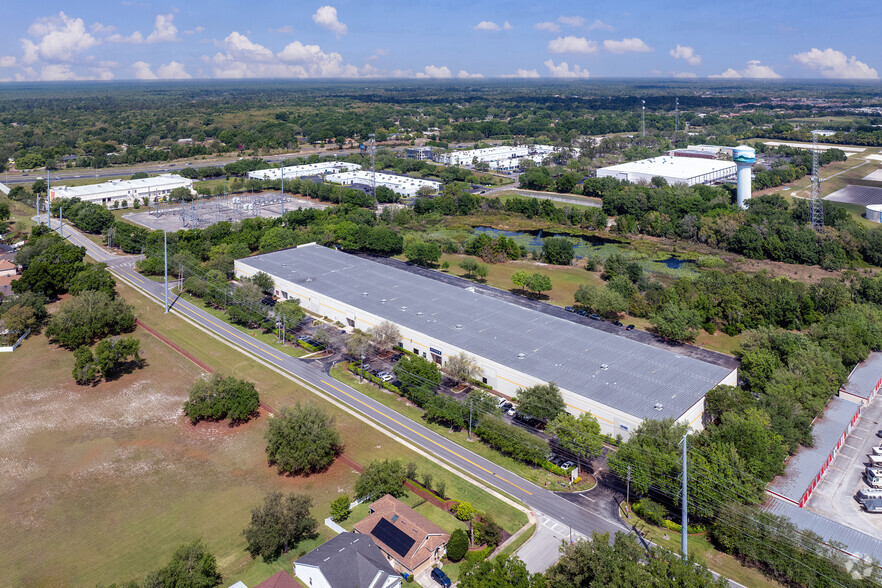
x=349, y=560
x=404, y=536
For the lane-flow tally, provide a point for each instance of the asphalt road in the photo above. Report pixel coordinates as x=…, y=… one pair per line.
x=312, y=374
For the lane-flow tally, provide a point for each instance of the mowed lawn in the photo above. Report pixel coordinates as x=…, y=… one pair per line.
x=100, y=484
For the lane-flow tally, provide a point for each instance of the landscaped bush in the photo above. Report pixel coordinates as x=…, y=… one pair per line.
x=458, y=545
x=651, y=510
x=554, y=469
x=308, y=346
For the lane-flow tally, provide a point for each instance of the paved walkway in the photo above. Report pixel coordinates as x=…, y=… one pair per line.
x=542, y=550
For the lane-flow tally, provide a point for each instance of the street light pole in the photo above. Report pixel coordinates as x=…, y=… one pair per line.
x=165, y=255
x=683, y=546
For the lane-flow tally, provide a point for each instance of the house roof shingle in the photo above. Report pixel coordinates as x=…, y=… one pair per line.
x=350, y=560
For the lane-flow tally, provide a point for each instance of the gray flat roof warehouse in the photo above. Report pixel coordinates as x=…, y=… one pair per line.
x=606, y=369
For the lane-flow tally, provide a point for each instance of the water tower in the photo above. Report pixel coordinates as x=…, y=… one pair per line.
x=744, y=158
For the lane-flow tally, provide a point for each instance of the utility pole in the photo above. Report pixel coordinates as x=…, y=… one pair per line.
x=683, y=531
x=628, y=492
x=165, y=255
x=470, y=419
x=676, y=114
x=61, y=220
x=643, y=118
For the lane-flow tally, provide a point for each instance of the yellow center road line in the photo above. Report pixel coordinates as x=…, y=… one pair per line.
x=412, y=430
x=415, y=432
x=221, y=327
x=133, y=276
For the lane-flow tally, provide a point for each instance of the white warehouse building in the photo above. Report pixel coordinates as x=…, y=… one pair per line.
x=299, y=171
x=619, y=380
x=404, y=185
x=675, y=170
x=500, y=158
x=118, y=190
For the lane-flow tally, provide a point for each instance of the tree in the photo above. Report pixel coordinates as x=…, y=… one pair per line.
x=557, y=251
x=112, y=352
x=580, y=435
x=191, y=566
x=89, y=316
x=464, y=511
x=604, y=301
x=489, y=531
x=482, y=271
x=676, y=322
x=380, y=478
x=503, y=571
x=457, y=545
x=93, y=277
x=246, y=307
x=542, y=401
x=280, y=524
x=19, y=319
x=50, y=271
x=469, y=265
x=417, y=372
x=219, y=397
x=462, y=367
x=264, y=281
x=340, y=510
x=421, y=253
x=180, y=194
x=520, y=278
x=85, y=369
x=289, y=310
x=538, y=283
x=302, y=440
x=385, y=335
x=358, y=344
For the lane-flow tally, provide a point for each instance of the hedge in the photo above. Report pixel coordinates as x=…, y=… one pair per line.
x=307, y=346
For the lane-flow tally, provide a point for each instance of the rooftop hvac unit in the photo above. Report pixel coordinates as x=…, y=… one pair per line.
x=659, y=406
x=522, y=356
x=457, y=328
x=604, y=366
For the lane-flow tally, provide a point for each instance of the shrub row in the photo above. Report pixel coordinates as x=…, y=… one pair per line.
x=353, y=367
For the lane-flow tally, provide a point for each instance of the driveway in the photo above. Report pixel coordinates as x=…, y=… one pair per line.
x=542, y=550
x=833, y=498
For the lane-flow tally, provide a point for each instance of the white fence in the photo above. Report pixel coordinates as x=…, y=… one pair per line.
x=11, y=348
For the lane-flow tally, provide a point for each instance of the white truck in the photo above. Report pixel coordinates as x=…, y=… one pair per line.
x=873, y=477
x=876, y=450
x=875, y=460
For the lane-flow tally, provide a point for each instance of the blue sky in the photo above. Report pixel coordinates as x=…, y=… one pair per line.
x=134, y=39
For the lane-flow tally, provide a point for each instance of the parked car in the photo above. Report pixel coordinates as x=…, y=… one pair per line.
x=569, y=309
x=365, y=366
x=386, y=376
x=501, y=402
x=879, y=433
x=629, y=328
x=512, y=411
x=439, y=576
x=581, y=312
x=595, y=317
x=567, y=465
x=617, y=323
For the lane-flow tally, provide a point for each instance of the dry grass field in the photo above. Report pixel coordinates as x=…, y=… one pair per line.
x=101, y=484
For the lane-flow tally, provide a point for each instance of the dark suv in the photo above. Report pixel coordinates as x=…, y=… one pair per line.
x=439, y=576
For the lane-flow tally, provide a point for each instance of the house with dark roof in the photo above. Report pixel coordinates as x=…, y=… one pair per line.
x=405, y=537
x=349, y=560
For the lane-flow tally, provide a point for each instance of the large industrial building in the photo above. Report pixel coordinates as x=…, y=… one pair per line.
x=404, y=185
x=305, y=170
x=118, y=190
x=675, y=170
x=499, y=158
x=617, y=379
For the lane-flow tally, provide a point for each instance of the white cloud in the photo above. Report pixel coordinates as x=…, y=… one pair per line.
x=143, y=71
x=523, y=73
x=550, y=27
x=599, y=25
x=61, y=39
x=378, y=54
x=562, y=70
x=7, y=61
x=571, y=44
x=432, y=71
x=507, y=26
x=573, y=21
x=752, y=69
x=135, y=37
x=326, y=17
x=243, y=58
x=401, y=73
x=835, y=64
x=684, y=74
x=198, y=29
x=464, y=74
x=164, y=29
x=173, y=71
x=632, y=45
x=283, y=29
x=57, y=72
x=686, y=53
x=487, y=25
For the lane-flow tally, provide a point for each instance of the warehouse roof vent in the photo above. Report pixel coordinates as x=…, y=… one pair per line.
x=457, y=327
x=522, y=355
x=604, y=366
x=659, y=406
x=364, y=294
x=420, y=313
x=403, y=309
x=308, y=279
x=383, y=301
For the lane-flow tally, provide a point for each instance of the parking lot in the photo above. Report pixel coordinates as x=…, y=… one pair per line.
x=835, y=497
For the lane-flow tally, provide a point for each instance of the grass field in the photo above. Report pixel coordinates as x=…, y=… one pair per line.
x=101, y=484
